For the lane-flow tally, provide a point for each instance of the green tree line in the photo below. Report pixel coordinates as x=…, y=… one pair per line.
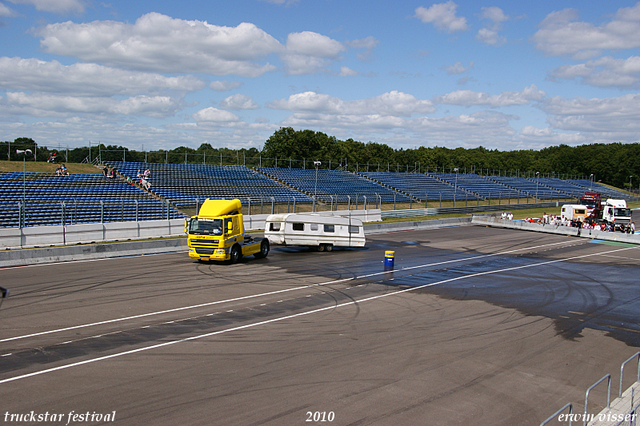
x=615, y=163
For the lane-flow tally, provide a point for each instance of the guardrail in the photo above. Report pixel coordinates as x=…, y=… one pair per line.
x=586, y=396
x=615, y=412
x=464, y=210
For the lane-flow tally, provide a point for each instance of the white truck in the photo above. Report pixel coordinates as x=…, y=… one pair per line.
x=322, y=232
x=616, y=212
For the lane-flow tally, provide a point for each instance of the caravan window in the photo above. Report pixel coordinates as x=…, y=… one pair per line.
x=274, y=226
x=313, y=226
x=329, y=228
x=298, y=226
x=354, y=229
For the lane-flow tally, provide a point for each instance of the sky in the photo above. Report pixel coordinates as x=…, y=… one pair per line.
x=151, y=75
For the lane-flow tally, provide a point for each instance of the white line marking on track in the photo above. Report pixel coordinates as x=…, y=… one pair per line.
x=300, y=314
x=252, y=296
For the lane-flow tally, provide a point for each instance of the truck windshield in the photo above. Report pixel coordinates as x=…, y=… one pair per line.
x=622, y=212
x=589, y=203
x=205, y=226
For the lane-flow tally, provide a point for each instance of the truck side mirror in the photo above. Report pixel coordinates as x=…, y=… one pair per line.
x=229, y=227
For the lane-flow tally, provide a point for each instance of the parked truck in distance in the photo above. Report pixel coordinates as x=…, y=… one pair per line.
x=217, y=233
x=320, y=232
x=616, y=212
x=593, y=202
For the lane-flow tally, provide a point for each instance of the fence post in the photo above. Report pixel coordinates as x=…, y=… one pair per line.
x=101, y=211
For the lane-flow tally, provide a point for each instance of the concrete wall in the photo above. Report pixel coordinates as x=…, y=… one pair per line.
x=90, y=251
x=42, y=236
x=379, y=228
x=496, y=221
x=58, y=235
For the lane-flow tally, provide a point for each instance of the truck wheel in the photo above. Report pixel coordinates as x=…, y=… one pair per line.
x=264, y=250
x=235, y=254
x=328, y=247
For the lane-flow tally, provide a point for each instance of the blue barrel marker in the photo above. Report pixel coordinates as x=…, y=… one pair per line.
x=389, y=257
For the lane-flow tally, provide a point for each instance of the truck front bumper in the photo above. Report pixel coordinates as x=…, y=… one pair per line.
x=209, y=254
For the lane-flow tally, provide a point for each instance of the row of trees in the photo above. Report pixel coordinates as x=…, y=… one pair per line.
x=616, y=163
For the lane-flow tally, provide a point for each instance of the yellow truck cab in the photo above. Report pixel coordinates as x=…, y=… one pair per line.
x=217, y=233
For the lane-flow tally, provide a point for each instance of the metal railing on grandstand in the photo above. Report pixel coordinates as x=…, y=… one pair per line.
x=74, y=212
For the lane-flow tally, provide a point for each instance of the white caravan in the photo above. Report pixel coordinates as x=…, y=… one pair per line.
x=314, y=230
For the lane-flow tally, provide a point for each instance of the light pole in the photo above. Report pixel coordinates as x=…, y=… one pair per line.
x=590, y=181
x=24, y=153
x=537, y=180
x=631, y=184
x=455, y=187
x=315, y=188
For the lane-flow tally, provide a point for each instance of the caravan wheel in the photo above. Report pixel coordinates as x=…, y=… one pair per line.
x=329, y=247
x=320, y=247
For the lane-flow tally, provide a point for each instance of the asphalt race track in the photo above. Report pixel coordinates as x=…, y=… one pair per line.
x=474, y=326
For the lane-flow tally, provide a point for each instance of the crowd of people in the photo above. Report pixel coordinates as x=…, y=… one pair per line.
x=142, y=178
x=589, y=223
x=61, y=170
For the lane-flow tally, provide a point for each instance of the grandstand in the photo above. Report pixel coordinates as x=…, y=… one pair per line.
x=605, y=191
x=47, y=199
x=421, y=186
x=534, y=188
x=334, y=185
x=479, y=185
x=183, y=184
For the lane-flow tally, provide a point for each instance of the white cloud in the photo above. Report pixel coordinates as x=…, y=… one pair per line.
x=239, y=101
x=313, y=44
x=160, y=43
x=494, y=14
x=458, y=68
x=603, y=72
x=442, y=16
x=216, y=115
x=347, y=72
x=490, y=34
x=560, y=33
x=469, y=98
x=308, y=53
x=6, y=12
x=224, y=85
x=56, y=6
x=87, y=79
x=368, y=43
x=394, y=104
x=597, y=120
x=42, y=104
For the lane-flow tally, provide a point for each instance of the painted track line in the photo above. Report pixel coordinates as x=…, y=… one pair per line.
x=271, y=293
x=300, y=314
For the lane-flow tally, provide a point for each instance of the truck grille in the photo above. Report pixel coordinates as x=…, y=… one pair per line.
x=204, y=250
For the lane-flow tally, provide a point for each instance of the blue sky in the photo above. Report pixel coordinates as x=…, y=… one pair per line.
x=156, y=75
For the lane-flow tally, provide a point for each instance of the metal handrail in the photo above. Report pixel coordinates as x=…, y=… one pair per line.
x=551, y=417
x=586, y=397
x=637, y=354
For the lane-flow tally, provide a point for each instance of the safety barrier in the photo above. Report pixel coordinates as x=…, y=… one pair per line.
x=586, y=395
x=557, y=413
x=615, y=413
x=42, y=236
